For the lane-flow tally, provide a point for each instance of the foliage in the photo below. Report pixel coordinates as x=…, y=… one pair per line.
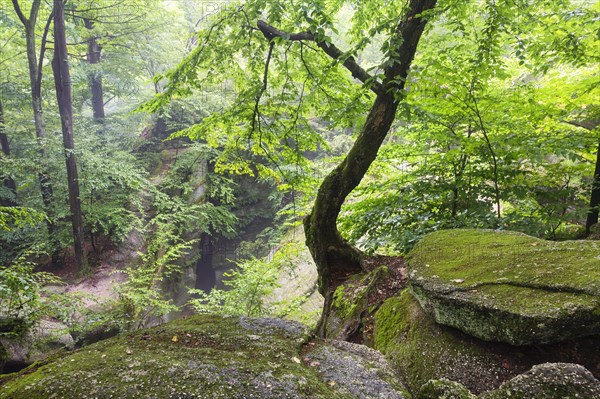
x=21, y=301
x=247, y=287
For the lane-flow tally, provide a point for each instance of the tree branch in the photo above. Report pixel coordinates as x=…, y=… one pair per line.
x=19, y=12
x=270, y=32
x=43, y=47
x=586, y=124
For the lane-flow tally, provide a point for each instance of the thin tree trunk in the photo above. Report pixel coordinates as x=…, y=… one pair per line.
x=62, y=81
x=8, y=182
x=35, y=79
x=592, y=216
x=95, y=77
x=335, y=258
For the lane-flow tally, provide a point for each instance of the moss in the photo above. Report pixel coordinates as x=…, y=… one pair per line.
x=508, y=287
x=411, y=340
x=466, y=258
x=422, y=350
x=200, y=357
x=351, y=299
x=444, y=389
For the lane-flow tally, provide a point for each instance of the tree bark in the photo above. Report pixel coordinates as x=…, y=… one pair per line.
x=334, y=256
x=62, y=80
x=95, y=77
x=592, y=216
x=35, y=78
x=8, y=182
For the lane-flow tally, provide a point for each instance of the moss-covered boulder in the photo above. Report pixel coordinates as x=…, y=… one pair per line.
x=507, y=286
x=550, y=381
x=421, y=350
x=444, y=389
x=209, y=357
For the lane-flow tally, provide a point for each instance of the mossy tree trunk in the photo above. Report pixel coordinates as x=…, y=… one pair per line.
x=334, y=256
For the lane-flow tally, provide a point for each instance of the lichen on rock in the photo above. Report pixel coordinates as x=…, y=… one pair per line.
x=507, y=286
x=550, y=381
x=444, y=389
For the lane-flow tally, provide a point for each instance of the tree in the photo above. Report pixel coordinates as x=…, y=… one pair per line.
x=9, y=182
x=93, y=58
x=62, y=80
x=334, y=256
x=35, y=64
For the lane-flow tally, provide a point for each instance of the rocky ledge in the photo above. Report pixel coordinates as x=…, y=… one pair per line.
x=507, y=286
x=209, y=356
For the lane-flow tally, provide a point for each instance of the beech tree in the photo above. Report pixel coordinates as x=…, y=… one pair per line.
x=35, y=62
x=62, y=80
x=289, y=65
x=334, y=256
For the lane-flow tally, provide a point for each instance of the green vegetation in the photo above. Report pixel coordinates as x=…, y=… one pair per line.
x=156, y=156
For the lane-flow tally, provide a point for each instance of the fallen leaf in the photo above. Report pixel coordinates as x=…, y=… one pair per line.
x=296, y=359
x=174, y=339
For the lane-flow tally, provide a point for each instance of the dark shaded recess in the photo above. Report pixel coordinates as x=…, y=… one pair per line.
x=13, y=367
x=205, y=274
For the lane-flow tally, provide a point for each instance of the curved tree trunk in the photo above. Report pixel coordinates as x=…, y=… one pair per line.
x=335, y=258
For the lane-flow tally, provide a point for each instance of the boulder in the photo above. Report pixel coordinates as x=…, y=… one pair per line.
x=421, y=350
x=210, y=356
x=550, y=381
x=507, y=286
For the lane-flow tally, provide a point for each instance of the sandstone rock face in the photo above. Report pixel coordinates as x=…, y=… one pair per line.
x=210, y=357
x=550, y=381
x=508, y=287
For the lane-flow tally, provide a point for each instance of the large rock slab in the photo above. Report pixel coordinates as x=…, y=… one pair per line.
x=209, y=356
x=507, y=286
